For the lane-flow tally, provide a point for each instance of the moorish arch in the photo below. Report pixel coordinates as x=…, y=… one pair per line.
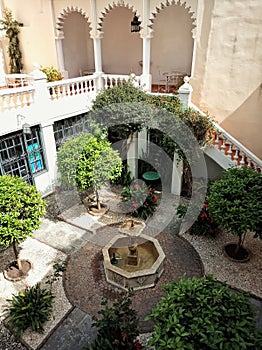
x=77, y=46
x=172, y=44
x=122, y=50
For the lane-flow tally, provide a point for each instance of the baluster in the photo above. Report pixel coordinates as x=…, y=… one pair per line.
x=111, y=82
x=67, y=88
x=235, y=154
x=229, y=151
x=5, y=101
x=30, y=97
x=23, y=98
x=18, y=99
x=223, y=146
x=11, y=101
x=242, y=158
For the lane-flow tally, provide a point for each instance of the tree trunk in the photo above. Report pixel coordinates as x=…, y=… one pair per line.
x=18, y=261
x=238, y=245
x=98, y=201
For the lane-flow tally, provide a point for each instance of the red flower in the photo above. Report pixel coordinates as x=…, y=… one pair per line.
x=203, y=215
x=136, y=186
x=155, y=199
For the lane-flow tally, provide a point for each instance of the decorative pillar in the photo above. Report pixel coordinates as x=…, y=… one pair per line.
x=185, y=92
x=96, y=36
x=176, y=184
x=132, y=155
x=46, y=182
x=60, y=54
x=146, y=35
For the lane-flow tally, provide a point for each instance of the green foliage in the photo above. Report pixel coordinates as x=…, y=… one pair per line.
x=201, y=313
x=67, y=159
x=12, y=29
x=97, y=164
x=141, y=201
x=117, y=326
x=21, y=208
x=52, y=74
x=30, y=308
x=235, y=201
x=117, y=106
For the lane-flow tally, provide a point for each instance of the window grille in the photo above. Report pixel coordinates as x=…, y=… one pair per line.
x=22, y=155
x=70, y=128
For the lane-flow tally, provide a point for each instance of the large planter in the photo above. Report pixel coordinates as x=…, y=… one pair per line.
x=229, y=251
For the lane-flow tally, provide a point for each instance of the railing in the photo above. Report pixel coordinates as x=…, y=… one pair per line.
x=233, y=149
x=16, y=97
x=71, y=87
x=111, y=80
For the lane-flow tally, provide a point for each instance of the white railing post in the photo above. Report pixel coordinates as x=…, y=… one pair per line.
x=38, y=80
x=185, y=92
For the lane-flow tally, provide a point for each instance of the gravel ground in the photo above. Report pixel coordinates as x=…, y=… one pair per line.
x=8, y=341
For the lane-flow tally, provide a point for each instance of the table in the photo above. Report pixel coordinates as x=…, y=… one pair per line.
x=151, y=176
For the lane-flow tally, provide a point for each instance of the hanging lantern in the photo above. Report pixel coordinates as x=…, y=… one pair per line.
x=135, y=24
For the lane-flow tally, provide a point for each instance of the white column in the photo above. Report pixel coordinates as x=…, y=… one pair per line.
x=60, y=54
x=97, y=54
x=146, y=78
x=142, y=141
x=177, y=173
x=46, y=181
x=132, y=155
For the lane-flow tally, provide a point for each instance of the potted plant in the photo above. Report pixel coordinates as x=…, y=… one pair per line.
x=235, y=202
x=21, y=208
x=12, y=29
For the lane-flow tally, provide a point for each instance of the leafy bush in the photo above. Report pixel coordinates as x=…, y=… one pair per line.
x=52, y=73
x=21, y=208
x=201, y=313
x=235, y=202
x=117, y=327
x=141, y=201
x=67, y=159
x=32, y=307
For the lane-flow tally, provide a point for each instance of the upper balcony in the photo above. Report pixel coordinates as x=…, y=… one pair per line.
x=43, y=103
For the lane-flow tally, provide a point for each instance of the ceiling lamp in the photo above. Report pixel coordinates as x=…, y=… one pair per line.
x=135, y=24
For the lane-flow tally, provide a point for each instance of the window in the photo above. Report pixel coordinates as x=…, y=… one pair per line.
x=21, y=155
x=71, y=127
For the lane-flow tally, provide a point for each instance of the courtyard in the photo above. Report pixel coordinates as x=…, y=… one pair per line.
x=68, y=233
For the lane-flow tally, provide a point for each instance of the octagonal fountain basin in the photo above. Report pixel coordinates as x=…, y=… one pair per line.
x=133, y=262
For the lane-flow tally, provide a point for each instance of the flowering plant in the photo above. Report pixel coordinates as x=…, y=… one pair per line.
x=139, y=200
x=204, y=224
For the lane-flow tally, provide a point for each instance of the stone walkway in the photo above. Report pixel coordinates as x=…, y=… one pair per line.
x=84, y=281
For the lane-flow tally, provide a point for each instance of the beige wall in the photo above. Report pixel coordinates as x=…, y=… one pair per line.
x=231, y=71
x=77, y=45
x=121, y=49
x=37, y=35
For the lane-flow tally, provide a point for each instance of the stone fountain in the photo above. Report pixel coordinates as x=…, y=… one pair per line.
x=132, y=259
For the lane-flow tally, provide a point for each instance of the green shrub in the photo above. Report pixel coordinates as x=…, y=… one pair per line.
x=117, y=327
x=235, y=201
x=201, y=313
x=140, y=201
x=30, y=308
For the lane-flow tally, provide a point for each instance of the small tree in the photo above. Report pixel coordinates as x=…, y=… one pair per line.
x=67, y=159
x=12, y=29
x=201, y=313
x=235, y=201
x=97, y=164
x=21, y=208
